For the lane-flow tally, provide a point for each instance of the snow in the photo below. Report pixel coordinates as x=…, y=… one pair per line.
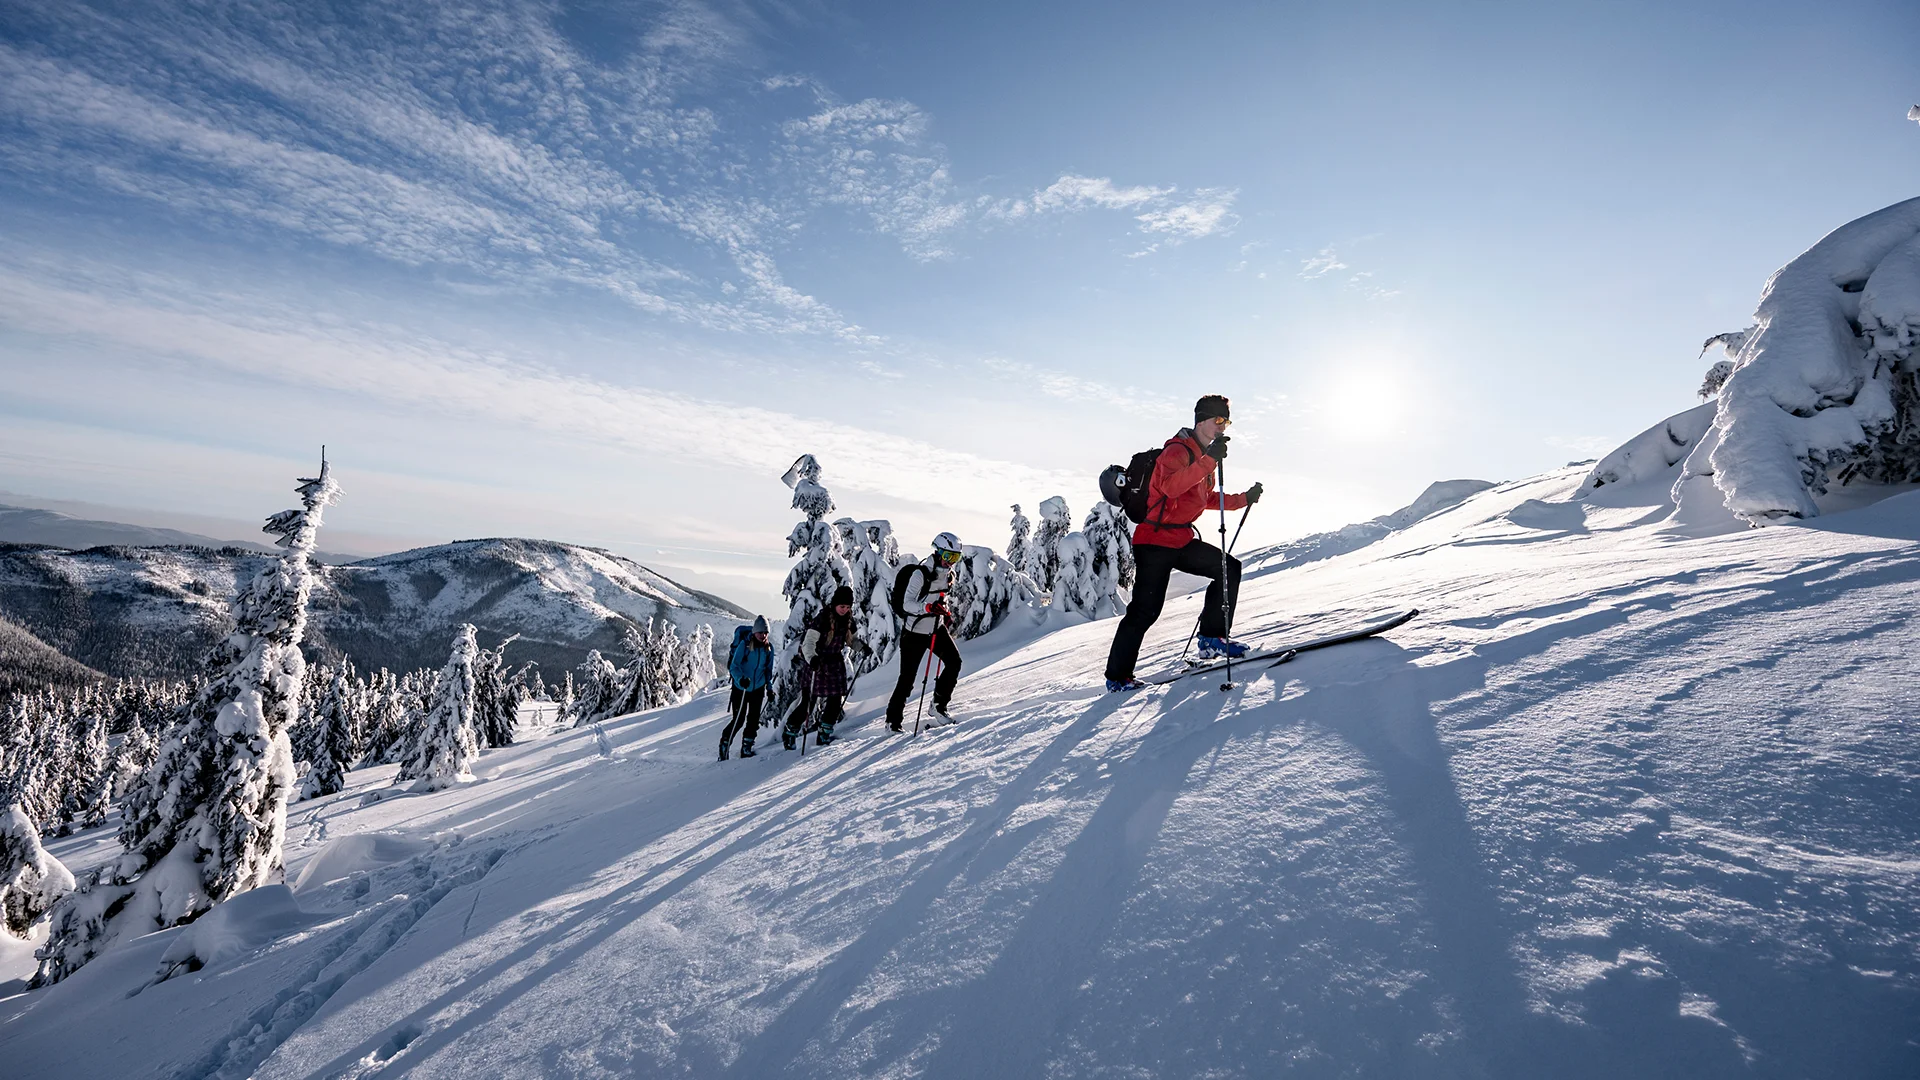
x=1624, y=801
x=1814, y=382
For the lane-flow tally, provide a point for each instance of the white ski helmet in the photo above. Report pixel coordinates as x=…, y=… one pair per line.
x=946, y=541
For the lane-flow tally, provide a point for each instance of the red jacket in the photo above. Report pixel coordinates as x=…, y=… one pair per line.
x=1180, y=491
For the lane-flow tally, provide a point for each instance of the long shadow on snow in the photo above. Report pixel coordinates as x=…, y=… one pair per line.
x=813, y=1010
x=597, y=919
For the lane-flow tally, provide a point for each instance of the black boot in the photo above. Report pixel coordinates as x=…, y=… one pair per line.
x=723, y=752
x=746, y=751
x=787, y=736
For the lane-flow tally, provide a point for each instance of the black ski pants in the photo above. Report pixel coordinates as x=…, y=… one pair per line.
x=1153, y=565
x=744, y=720
x=832, y=708
x=913, y=650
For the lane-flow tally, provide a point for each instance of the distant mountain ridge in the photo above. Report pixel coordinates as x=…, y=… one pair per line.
x=30, y=525
x=156, y=610
x=1439, y=495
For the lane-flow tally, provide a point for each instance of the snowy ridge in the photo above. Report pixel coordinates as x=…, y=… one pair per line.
x=1620, y=803
x=1316, y=546
x=155, y=611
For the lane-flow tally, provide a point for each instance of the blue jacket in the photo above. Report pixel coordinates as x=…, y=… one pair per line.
x=749, y=665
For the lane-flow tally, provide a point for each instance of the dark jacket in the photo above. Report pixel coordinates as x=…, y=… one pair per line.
x=827, y=667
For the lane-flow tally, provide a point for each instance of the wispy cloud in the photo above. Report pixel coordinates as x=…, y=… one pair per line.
x=1067, y=387
x=479, y=139
x=1325, y=261
x=421, y=376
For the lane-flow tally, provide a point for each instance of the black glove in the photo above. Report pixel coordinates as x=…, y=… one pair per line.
x=1217, y=449
x=1254, y=493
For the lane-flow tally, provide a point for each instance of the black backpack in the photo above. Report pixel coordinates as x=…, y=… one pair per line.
x=900, y=580
x=1126, y=486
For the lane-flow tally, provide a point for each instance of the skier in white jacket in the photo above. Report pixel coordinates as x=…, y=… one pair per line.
x=920, y=599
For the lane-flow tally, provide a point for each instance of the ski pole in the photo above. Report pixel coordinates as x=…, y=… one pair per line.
x=1230, y=547
x=1226, y=601
x=920, y=706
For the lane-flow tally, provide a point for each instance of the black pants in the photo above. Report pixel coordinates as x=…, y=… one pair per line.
x=913, y=649
x=832, y=708
x=745, y=717
x=1153, y=566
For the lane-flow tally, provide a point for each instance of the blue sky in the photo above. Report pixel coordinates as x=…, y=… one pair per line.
x=599, y=271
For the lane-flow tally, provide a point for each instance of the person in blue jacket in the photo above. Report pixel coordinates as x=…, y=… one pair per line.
x=750, y=669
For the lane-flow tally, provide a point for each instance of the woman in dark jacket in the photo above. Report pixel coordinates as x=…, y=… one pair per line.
x=825, y=678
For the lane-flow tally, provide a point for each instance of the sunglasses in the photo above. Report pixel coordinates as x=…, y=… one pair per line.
x=1221, y=420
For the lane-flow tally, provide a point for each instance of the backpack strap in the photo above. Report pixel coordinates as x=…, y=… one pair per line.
x=1191, y=458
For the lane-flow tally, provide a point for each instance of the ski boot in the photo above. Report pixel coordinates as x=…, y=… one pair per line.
x=1213, y=648
x=747, y=751
x=896, y=727
x=723, y=751
x=787, y=737
x=1117, y=686
x=940, y=710
x=823, y=738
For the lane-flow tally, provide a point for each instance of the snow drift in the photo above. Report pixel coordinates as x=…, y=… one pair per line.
x=1823, y=387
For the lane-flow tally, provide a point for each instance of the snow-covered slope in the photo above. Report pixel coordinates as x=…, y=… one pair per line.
x=141, y=611
x=1439, y=495
x=27, y=663
x=1622, y=802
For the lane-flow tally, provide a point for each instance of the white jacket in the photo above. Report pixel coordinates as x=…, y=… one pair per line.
x=922, y=590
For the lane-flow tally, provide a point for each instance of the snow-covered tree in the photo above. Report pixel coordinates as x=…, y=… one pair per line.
x=872, y=556
x=985, y=588
x=1020, y=543
x=444, y=754
x=820, y=569
x=1825, y=385
x=207, y=820
x=31, y=881
x=566, y=696
x=692, y=665
x=1043, y=557
x=595, y=683
x=136, y=752
x=388, y=722
x=331, y=747
x=1075, y=587
x=496, y=700
x=89, y=780
x=642, y=684
x=1110, y=538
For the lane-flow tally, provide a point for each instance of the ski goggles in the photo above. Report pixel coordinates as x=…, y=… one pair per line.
x=947, y=557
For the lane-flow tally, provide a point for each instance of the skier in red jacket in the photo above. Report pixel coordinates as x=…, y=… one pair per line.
x=1181, y=490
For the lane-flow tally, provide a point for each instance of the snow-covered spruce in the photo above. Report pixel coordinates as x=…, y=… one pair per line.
x=821, y=567
x=985, y=588
x=89, y=779
x=496, y=699
x=1043, y=558
x=444, y=754
x=591, y=688
x=1020, y=539
x=643, y=683
x=1110, y=538
x=873, y=555
x=1825, y=385
x=31, y=881
x=693, y=668
x=207, y=820
x=331, y=750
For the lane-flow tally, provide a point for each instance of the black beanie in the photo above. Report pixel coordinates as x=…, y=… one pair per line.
x=1209, y=407
x=841, y=595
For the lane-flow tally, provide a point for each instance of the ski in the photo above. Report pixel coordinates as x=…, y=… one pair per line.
x=1277, y=657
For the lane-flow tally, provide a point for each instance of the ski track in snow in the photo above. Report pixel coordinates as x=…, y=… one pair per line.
x=1621, y=802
